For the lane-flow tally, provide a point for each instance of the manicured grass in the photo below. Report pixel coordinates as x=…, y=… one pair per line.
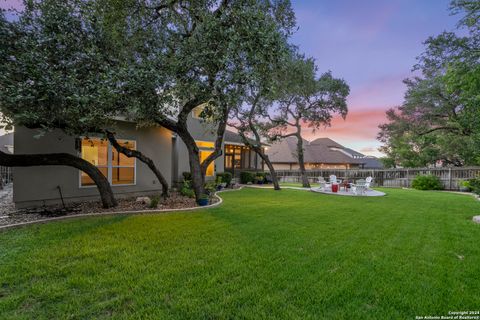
x=263, y=254
x=295, y=184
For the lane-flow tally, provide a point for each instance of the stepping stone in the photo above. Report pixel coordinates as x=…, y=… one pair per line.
x=476, y=219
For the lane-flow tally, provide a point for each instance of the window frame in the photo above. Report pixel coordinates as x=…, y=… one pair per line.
x=109, y=165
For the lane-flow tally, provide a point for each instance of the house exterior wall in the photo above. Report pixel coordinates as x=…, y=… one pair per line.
x=35, y=186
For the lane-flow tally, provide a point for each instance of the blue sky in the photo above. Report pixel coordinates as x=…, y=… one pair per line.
x=372, y=44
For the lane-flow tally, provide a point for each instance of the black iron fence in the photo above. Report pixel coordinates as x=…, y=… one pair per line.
x=450, y=177
x=6, y=174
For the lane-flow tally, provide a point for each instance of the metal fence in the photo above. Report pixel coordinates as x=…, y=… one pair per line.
x=6, y=174
x=451, y=178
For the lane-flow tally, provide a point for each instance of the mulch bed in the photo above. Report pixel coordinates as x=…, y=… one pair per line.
x=8, y=214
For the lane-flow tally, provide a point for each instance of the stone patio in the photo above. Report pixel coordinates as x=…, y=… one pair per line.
x=368, y=193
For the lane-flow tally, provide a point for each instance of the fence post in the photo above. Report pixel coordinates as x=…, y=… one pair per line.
x=450, y=178
x=408, y=178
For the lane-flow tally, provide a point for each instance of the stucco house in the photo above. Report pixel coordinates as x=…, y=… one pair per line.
x=322, y=153
x=34, y=186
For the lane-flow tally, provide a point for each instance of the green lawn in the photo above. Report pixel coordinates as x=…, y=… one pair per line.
x=262, y=254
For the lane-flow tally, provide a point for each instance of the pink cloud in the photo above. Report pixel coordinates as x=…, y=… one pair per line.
x=359, y=124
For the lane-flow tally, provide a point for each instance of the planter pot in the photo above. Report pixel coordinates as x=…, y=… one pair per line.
x=202, y=202
x=334, y=187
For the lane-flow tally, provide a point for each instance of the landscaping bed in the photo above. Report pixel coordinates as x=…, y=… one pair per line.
x=9, y=215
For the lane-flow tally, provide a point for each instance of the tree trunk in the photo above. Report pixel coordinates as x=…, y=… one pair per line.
x=301, y=161
x=140, y=156
x=63, y=159
x=276, y=185
x=198, y=176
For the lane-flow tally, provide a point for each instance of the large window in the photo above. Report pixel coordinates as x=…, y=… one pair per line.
x=206, y=148
x=118, y=168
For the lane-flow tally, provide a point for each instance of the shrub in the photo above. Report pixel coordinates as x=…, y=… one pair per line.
x=474, y=185
x=154, y=202
x=187, y=176
x=261, y=176
x=427, y=182
x=187, y=190
x=210, y=187
x=246, y=177
x=226, y=177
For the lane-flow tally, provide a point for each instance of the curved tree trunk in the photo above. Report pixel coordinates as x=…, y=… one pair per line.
x=198, y=176
x=273, y=173
x=63, y=159
x=301, y=161
x=140, y=156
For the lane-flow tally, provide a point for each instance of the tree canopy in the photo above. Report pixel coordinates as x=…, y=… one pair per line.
x=440, y=116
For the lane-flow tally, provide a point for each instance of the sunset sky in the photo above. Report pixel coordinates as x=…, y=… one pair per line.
x=372, y=44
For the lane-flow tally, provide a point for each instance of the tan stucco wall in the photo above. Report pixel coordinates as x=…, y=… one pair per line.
x=36, y=185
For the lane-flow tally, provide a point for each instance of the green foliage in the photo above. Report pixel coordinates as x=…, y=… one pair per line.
x=438, y=119
x=225, y=177
x=474, y=185
x=246, y=177
x=187, y=190
x=187, y=176
x=57, y=69
x=260, y=177
x=427, y=182
x=211, y=187
x=154, y=202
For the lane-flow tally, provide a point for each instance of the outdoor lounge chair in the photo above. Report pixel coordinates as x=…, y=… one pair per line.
x=360, y=187
x=322, y=183
x=368, y=182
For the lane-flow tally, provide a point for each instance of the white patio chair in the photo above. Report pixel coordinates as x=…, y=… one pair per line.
x=322, y=183
x=368, y=182
x=359, y=188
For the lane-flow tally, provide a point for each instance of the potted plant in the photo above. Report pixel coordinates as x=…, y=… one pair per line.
x=203, y=201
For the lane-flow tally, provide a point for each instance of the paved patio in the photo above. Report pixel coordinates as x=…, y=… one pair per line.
x=368, y=193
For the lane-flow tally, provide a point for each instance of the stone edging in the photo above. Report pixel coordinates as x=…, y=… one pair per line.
x=100, y=214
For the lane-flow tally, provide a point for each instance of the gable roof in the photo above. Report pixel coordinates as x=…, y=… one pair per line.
x=321, y=150
x=233, y=137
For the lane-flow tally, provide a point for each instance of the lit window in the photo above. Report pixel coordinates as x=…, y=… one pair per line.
x=205, y=150
x=203, y=156
x=123, y=167
x=118, y=168
x=205, y=144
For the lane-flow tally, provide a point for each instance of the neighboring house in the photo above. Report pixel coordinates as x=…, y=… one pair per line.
x=322, y=153
x=36, y=186
x=6, y=143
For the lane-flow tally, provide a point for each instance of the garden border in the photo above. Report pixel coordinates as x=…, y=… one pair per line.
x=165, y=211
x=133, y=212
